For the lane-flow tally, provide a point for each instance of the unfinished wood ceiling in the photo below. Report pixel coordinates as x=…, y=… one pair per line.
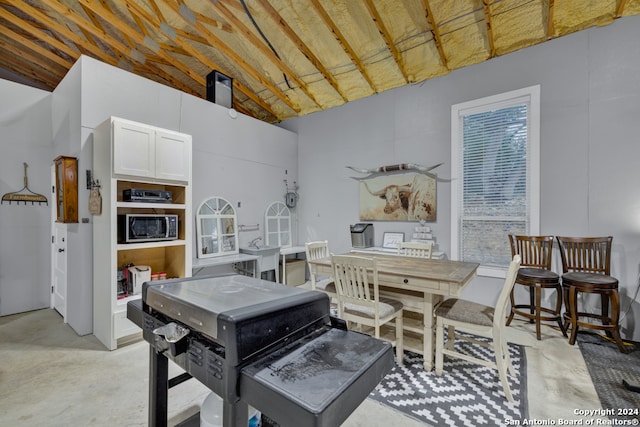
x=286, y=57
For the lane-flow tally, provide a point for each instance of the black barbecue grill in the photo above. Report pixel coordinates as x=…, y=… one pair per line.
x=257, y=343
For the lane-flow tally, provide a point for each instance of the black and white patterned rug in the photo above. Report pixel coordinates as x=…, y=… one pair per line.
x=466, y=394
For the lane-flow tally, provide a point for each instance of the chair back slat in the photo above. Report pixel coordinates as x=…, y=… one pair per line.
x=352, y=275
x=586, y=254
x=534, y=251
x=317, y=250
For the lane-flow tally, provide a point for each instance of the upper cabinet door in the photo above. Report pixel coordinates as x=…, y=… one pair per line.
x=134, y=151
x=173, y=156
x=149, y=152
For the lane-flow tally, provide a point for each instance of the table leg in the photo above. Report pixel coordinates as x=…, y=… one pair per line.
x=430, y=300
x=284, y=270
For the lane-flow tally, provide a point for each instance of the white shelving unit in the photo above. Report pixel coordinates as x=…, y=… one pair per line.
x=159, y=159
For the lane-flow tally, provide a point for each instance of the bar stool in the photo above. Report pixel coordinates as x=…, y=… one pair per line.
x=535, y=273
x=586, y=264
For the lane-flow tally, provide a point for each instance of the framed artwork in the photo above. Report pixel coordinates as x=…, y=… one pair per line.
x=398, y=197
x=392, y=240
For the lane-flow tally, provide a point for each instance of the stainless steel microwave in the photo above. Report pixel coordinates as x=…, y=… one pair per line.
x=133, y=228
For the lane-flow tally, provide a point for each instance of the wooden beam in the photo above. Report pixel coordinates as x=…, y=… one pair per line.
x=487, y=20
x=343, y=41
x=94, y=19
x=119, y=48
x=435, y=33
x=216, y=43
x=620, y=9
x=39, y=34
x=36, y=72
x=125, y=29
x=550, y=29
x=63, y=31
x=51, y=56
x=88, y=27
x=238, y=60
x=87, y=35
x=212, y=22
x=286, y=29
x=386, y=36
x=260, y=45
x=133, y=8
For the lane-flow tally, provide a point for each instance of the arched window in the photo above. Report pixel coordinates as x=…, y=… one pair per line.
x=216, y=228
x=277, y=225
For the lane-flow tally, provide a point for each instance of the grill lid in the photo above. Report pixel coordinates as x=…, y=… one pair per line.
x=199, y=302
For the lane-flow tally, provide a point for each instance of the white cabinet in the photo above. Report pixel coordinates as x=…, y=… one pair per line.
x=145, y=151
x=133, y=163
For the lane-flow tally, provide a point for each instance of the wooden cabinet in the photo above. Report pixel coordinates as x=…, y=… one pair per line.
x=66, y=189
x=117, y=174
x=145, y=151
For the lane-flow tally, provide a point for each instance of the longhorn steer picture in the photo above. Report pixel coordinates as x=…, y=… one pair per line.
x=406, y=197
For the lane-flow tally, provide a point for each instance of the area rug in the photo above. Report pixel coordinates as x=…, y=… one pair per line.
x=466, y=394
x=608, y=367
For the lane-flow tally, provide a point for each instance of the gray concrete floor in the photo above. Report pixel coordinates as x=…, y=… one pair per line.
x=50, y=376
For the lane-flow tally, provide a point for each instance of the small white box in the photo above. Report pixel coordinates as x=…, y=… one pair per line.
x=138, y=274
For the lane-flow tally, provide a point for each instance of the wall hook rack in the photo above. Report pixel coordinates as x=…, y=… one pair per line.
x=25, y=194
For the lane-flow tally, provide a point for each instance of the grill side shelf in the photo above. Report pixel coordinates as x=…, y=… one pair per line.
x=318, y=381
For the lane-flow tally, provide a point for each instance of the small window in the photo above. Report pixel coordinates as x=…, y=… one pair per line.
x=216, y=228
x=277, y=225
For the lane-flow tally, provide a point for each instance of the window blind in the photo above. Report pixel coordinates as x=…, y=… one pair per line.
x=494, y=190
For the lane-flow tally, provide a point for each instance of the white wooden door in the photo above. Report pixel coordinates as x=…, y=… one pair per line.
x=59, y=267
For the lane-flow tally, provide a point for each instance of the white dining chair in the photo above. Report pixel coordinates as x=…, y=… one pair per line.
x=317, y=250
x=359, y=300
x=480, y=320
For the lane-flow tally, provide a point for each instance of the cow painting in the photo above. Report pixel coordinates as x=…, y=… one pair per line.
x=405, y=197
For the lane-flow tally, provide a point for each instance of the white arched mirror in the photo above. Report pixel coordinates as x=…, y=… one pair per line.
x=277, y=225
x=216, y=228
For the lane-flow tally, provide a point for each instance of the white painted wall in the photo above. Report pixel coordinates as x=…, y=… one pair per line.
x=590, y=101
x=243, y=160
x=25, y=136
x=67, y=141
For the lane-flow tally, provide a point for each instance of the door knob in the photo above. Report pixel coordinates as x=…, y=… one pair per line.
x=60, y=250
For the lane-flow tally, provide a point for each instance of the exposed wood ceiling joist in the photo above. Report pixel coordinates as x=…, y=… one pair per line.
x=286, y=57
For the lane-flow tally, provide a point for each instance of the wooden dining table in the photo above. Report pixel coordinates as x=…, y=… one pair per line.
x=420, y=284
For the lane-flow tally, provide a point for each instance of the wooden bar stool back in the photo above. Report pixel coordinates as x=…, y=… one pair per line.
x=586, y=267
x=535, y=273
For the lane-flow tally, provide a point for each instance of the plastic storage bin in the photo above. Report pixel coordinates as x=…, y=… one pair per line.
x=295, y=270
x=211, y=413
